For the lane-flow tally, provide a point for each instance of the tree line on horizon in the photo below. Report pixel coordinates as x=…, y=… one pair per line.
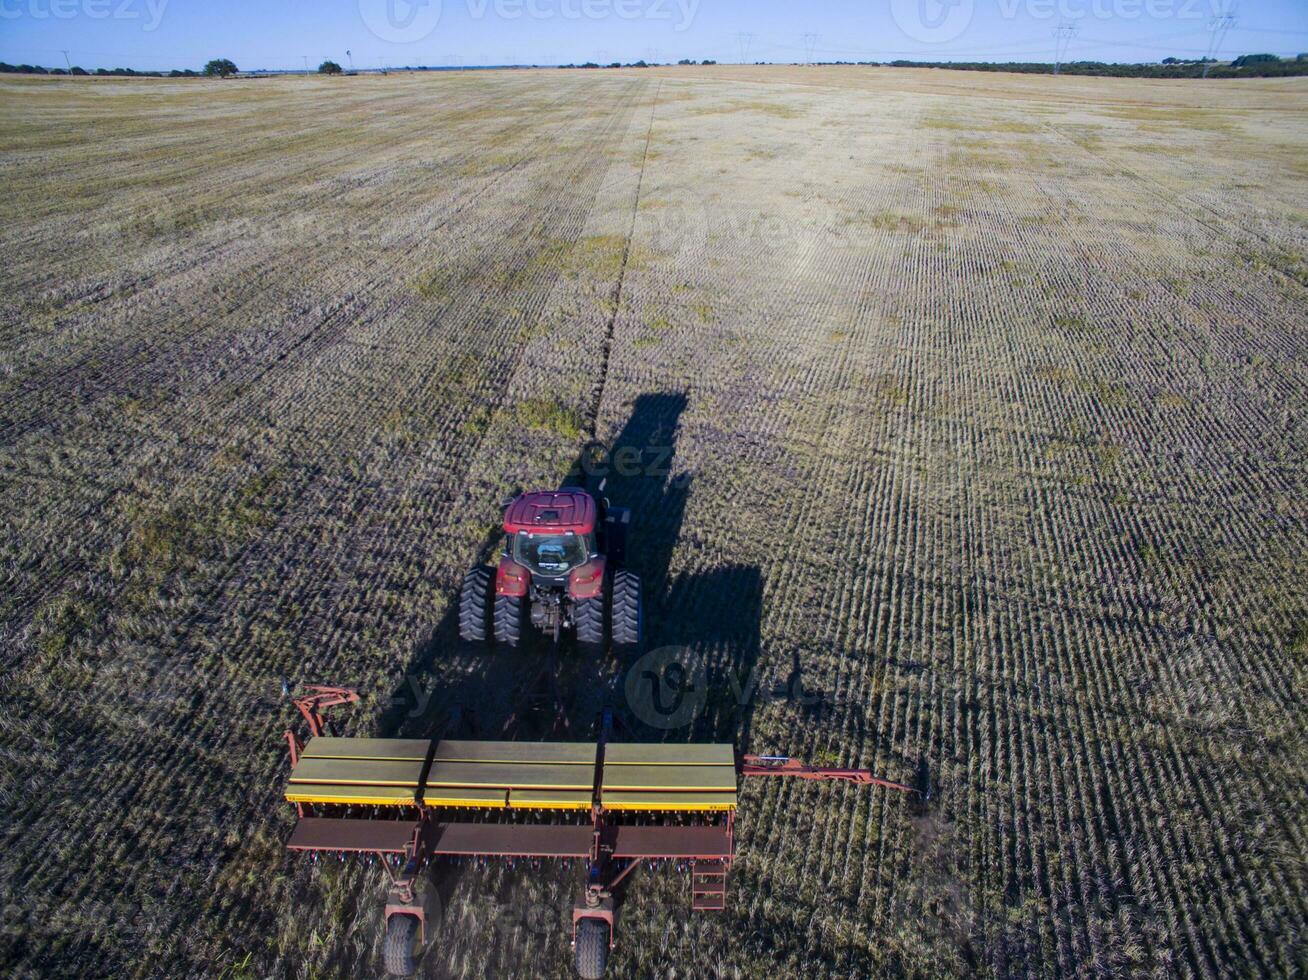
x=1245, y=66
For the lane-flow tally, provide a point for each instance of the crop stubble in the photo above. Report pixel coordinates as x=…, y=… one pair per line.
x=994, y=422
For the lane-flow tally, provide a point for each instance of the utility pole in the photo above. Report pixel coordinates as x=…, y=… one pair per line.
x=305, y=58
x=1219, y=25
x=68, y=62
x=1063, y=35
x=744, y=39
x=810, y=44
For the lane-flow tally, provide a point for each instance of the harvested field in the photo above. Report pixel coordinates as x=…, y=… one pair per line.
x=985, y=408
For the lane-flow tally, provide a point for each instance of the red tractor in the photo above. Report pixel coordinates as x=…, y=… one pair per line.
x=561, y=569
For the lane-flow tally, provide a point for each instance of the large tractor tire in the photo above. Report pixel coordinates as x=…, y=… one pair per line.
x=400, y=947
x=627, y=616
x=592, y=948
x=588, y=615
x=475, y=604
x=509, y=620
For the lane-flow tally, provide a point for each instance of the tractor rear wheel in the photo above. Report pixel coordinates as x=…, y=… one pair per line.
x=508, y=619
x=592, y=950
x=588, y=615
x=627, y=616
x=475, y=606
x=400, y=948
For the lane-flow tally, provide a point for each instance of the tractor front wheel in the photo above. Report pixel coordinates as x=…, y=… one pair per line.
x=400, y=948
x=475, y=605
x=592, y=950
x=627, y=616
x=508, y=620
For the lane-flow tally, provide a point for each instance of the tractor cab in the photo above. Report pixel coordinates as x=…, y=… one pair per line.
x=550, y=555
x=550, y=533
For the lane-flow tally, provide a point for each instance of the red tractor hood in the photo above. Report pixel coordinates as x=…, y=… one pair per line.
x=551, y=512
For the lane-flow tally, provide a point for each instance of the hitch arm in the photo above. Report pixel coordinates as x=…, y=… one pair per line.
x=782, y=765
x=318, y=700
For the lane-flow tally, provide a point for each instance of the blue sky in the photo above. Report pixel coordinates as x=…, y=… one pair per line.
x=154, y=34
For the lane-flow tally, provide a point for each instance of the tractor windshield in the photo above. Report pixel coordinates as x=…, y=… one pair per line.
x=550, y=554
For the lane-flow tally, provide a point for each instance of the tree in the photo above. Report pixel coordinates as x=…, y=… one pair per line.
x=1253, y=59
x=220, y=67
x=329, y=68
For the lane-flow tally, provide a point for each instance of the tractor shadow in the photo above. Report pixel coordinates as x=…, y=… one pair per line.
x=701, y=628
x=709, y=619
x=693, y=683
x=693, y=680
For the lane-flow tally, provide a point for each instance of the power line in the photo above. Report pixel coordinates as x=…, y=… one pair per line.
x=877, y=52
x=810, y=45
x=1063, y=36
x=1013, y=48
x=1219, y=26
x=744, y=39
x=1269, y=30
